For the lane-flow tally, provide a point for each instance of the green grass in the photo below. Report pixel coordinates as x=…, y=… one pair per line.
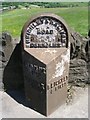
x=76, y=18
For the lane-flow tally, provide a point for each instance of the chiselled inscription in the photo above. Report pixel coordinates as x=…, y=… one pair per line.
x=45, y=32
x=56, y=85
x=36, y=69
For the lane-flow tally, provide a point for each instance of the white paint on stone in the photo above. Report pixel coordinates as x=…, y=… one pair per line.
x=66, y=57
x=60, y=66
x=59, y=69
x=44, y=27
x=50, y=51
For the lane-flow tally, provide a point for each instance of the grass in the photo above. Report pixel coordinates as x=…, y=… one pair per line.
x=76, y=18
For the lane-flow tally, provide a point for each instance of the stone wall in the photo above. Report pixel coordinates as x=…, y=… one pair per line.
x=80, y=47
x=10, y=63
x=79, y=72
x=80, y=57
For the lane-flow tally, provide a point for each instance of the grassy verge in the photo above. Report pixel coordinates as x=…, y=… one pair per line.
x=76, y=18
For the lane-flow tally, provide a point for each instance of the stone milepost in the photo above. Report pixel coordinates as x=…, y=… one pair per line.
x=45, y=52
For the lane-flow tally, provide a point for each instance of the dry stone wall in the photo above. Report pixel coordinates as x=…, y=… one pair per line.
x=78, y=72
x=80, y=57
x=10, y=63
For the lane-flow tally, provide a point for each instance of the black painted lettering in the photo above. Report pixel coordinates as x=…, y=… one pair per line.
x=26, y=36
x=51, y=85
x=51, y=91
x=38, y=30
x=27, y=32
x=27, y=45
x=55, y=89
x=51, y=31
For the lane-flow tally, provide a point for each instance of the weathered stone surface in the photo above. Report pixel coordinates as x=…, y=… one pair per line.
x=88, y=66
x=78, y=71
x=77, y=63
x=80, y=46
x=80, y=57
x=1, y=74
x=7, y=46
x=87, y=48
x=75, y=43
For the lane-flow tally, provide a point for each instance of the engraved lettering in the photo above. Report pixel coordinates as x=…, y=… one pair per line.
x=46, y=32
